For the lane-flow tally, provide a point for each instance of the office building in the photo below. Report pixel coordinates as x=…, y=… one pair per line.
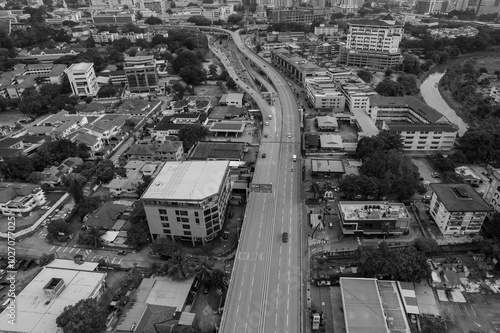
x=113, y=19
x=187, y=200
x=431, y=6
x=373, y=217
x=347, y=6
x=458, y=209
x=295, y=67
x=326, y=30
x=142, y=74
x=372, y=43
x=323, y=94
x=82, y=79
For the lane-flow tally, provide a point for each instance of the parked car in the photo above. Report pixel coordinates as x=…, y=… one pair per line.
x=323, y=283
x=45, y=207
x=122, y=253
x=435, y=175
x=284, y=237
x=263, y=155
x=225, y=235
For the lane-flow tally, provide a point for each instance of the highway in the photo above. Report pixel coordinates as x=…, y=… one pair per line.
x=265, y=287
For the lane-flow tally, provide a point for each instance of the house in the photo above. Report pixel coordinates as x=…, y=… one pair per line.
x=331, y=143
x=312, y=142
x=327, y=123
x=12, y=143
x=93, y=142
x=232, y=99
x=225, y=113
x=170, y=151
x=19, y=199
x=458, y=209
x=104, y=130
x=165, y=129
x=53, y=175
x=183, y=118
x=141, y=152
x=135, y=171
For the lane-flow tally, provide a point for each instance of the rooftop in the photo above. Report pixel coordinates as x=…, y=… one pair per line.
x=36, y=312
x=460, y=198
x=188, y=180
x=362, y=306
x=80, y=67
x=372, y=210
x=327, y=166
x=422, y=109
x=206, y=150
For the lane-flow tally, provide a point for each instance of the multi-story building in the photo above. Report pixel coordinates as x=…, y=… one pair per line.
x=373, y=217
x=82, y=79
x=49, y=73
x=188, y=200
x=372, y=43
x=458, y=209
x=322, y=93
x=431, y=6
x=347, y=6
x=19, y=199
x=326, y=30
x=105, y=37
x=142, y=74
x=356, y=91
x=300, y=15
x=113, y=19
x=296, y=67
x=492, y=192
x=420, y=126
x=154, y=5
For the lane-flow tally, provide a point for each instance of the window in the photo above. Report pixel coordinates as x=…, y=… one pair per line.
x=165, y=225
x=198, y=221
x=162, y=211
x=187, y=233
x=186, y=226
x=195, y=213
x=183, y=219
x=181, y=212
x=167, y=231
x=164, y=218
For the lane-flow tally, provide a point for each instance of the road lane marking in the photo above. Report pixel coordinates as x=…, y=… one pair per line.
x=93, y=257
x=66, y=249
x=59, y=248
x=71, y=251
x=112, y=261
x=119, y=261
x=77, y=251
x=51, y=248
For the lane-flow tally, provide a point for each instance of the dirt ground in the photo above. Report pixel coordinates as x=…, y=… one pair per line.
x=205, y=307
x=212, y=91
x=479, y=314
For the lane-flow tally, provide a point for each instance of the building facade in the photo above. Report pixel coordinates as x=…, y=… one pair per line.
x=82, y=79
x=373, y=217
x=299, y=15
x=322, y=93
x=142, y=73
x=372, y=43
x=492, y=192
x=19, y=199
x=458, y=209
x=295, y=67
x=188, y=200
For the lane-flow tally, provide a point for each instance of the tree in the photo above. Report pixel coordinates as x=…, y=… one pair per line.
x=166, y=247
x=426, y=245
x=83, y=317
x=55, y=227
x=411, y=64
x=388, y=87
x=142, y=186
x=153, y=20
x=46, y=259
x=432, y=324
x=193, y=74
x=205, y=272
x=219, y=280
x=93, y=237
x=230, y=84
x=189, y=135
x=105, y=170
x=184, y=58
x=185, y=329
x=137, y=235
x=234, y=19
x=212, y=70
x=386, y=229
x=199, y=20
x=88, y=205
x=75, y=188
x=409, y=84
x=365, y=75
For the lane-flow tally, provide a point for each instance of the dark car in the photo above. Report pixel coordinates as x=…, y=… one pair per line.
x=263, y=155
x=206, y=289
x=284, y=237
x=122, y=253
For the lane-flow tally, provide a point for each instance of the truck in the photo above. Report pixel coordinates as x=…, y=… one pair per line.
x=316, y=319
x=294, y=158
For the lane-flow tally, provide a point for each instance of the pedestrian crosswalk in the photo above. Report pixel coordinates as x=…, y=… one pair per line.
x=63, y=249
x=87, y=254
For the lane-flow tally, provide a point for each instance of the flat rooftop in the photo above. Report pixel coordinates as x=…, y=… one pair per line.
x=36, y=312
x=188, y=180
x=362, y=306
x=80, y=67
x=372, y=210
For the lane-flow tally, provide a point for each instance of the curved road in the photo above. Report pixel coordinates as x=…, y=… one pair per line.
x=265, y=287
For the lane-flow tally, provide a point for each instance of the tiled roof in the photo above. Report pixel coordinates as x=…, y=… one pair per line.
x=169, y=147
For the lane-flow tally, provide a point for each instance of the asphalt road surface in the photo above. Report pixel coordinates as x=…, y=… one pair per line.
x=265, y=288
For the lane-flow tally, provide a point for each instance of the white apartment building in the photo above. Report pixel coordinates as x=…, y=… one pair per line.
x=105, y=37
x=458, y=209
x=187, y=200
x=326, y=30
x=347, y=6
x=356, y=92
x=322, y=93
x=82, y=79
x=492, y=192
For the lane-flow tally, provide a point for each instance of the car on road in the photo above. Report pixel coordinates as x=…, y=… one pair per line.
x=267, y=123
x=289, y=135
x=263, y=155
x=435, y=175
x=284, y=237
x=122, y=253
x=45, y=207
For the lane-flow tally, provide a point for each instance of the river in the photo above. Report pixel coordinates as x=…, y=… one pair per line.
x=432, y=97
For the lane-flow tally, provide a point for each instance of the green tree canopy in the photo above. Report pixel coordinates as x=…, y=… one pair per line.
x=153, y=20
x=365, y=75
x=83, y=317
x=189, y=135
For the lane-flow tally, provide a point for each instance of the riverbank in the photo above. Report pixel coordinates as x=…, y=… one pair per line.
x=456, y=106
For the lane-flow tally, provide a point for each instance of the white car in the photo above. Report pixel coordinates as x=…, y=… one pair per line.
x=45, y=207
x=289, y=135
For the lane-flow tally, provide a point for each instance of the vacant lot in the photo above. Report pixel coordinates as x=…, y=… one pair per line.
x=213, y=91
x=492, y=63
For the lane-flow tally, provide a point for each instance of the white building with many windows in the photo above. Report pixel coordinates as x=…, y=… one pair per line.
x=322, y=93
x=82, y=79
x=187, y=200
x=458, y=209
x=19, y=199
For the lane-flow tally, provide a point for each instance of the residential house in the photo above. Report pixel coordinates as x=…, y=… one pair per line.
x=19, y=199
x=93, y=142
x=170, y=151
x=327, y=123
x=183, y=118
x=165, y=129
x=232, y=99
x=331, y=143
x=141, y=152
x=53, y=175
x=135, y=171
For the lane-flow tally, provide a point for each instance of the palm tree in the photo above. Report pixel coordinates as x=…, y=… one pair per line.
x=219, y=280
x=205, y=271
x=386, y=229
x=93, y=237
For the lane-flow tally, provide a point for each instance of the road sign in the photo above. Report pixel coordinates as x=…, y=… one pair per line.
x=261, y=188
